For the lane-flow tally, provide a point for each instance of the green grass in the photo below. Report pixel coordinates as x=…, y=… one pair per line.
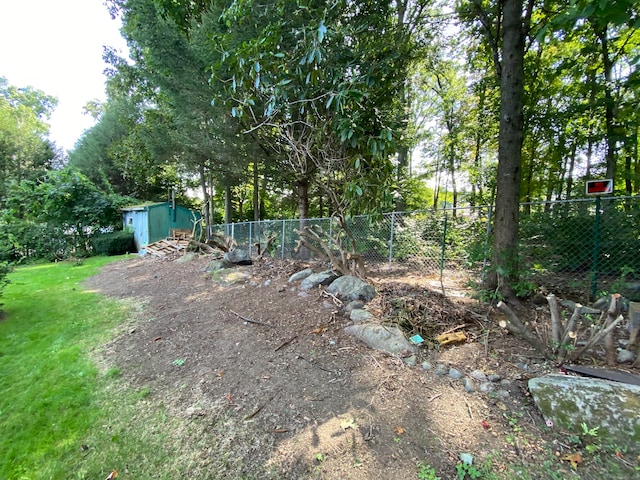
x=48, y=382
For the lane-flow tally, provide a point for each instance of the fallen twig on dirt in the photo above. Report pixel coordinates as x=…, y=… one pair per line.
x=282, y=345
x=250, y=320
x=257, y=410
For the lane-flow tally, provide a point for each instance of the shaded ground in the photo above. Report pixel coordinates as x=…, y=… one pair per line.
x=298, y=398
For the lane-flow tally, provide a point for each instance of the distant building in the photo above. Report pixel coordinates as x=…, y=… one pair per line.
x=151, y=222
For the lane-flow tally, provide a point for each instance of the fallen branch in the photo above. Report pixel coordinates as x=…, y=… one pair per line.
x=282, y=345
x=203, y=246
x=515, y=326
x=250, y=320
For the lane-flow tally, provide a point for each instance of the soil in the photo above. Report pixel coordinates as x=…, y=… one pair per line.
x=298, y=398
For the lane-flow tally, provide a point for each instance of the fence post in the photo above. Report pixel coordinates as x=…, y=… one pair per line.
x=250, y=237
x=282, y=242
x=596, y=250
x=444, y=243
x=393, y=217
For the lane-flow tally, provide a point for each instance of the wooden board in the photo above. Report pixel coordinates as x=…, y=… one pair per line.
x=605, y=374
x=166, y=247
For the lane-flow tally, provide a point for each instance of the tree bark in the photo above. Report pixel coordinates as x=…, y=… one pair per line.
x=510, y=139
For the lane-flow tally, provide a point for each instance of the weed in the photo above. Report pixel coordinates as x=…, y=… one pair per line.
x=178, y=362
x=426, y=472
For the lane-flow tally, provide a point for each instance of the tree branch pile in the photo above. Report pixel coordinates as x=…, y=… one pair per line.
x=568, y=342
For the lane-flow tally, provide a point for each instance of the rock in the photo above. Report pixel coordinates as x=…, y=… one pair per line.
x=410, y=361
x=303, y=294
x=215, y=265
x=441, y=370
x=571, y=305
x=316, y=279
x=569, y=401
x=238, y=257
x=360, y=315
x=486, y=387
x=301, y=275
x=494, y=377
x=625, y=356
x=469, y=385
x=455, y=373
x=327, y=305
x=539, y=299
x=478, y=375
x=353, y=305
x=426, y=365
x=349, y=288
x=186, y=258
x=502, y=394
x=228, y=277
x=505, y=382
x=379, y=337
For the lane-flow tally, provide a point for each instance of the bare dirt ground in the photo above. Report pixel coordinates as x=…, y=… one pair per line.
x=295, y=397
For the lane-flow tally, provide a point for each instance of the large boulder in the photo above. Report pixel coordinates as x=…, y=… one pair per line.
x=349, y=288
x=215, y=265
x=380, y=337
x=301, y=275
x=317, y=279
x=570, y=401
x=238, y=257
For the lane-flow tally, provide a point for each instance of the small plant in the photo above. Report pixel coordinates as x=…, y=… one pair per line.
x=178, y=362
x=591, y=432
x=467, y=470
x=319, y=457
x=426, y=472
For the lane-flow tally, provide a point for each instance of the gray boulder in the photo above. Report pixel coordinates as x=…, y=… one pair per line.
x=360, y=315
x=215, y=265
x=570, y=401
x=349, y=288
x=301, y=275
x=379, y=337
x=238, y=257
x=316, y=279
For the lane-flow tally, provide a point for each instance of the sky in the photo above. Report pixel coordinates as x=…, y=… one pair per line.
x=56, y=46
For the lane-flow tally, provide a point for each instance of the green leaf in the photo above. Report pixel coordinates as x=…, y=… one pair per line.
x=256, y=67
x=321, y=31
x=358, y=190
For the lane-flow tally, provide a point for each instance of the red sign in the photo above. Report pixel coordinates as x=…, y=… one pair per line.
x=599, y=187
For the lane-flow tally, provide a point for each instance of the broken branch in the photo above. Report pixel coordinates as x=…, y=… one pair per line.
x=250, y=320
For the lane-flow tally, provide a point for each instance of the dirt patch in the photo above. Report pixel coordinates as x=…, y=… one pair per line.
x=295, y=397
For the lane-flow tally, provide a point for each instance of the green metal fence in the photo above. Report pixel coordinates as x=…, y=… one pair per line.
x=588, y=244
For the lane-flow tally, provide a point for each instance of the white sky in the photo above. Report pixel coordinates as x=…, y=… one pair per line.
x=56, y=46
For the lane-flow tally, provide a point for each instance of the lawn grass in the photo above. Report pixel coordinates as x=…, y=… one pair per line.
x=48, y=382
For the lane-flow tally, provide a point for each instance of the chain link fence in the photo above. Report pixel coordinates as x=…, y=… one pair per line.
x=589, y=244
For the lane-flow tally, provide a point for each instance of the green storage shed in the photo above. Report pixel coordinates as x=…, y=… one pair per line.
x=151, y=222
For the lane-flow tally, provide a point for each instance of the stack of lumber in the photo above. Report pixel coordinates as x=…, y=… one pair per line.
x=177, y=242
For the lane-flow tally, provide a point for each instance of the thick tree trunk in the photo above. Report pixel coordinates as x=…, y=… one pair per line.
x=504, y=270
x=302, y=186
x=228, y=204
x=609, y=103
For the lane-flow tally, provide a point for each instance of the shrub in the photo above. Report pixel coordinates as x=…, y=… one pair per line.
x=115, y=243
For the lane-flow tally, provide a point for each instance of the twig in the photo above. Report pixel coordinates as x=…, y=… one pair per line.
x=316, y=365
x=258, y=410
x=336, y=300
x=468, y=408
x=454, y=329
x=515, y=326
x=556, y=326
x=597, y=337
x=251, y=320
x=282, y=345
x=435, y=396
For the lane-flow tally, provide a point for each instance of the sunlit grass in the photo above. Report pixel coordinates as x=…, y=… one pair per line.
x=48, y=382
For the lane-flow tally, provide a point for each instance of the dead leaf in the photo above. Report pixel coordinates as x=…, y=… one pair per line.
x=220, y=374
x=399, y=430
x=574, y=459
x=112, y=475
x=320, y=330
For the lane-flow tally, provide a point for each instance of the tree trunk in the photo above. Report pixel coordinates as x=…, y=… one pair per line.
x=504, y=270
x=205, y=192
x=302, y=185
x=609, y=103
x=228, y=204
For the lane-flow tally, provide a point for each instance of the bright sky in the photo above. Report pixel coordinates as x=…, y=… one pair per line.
x=56, y=46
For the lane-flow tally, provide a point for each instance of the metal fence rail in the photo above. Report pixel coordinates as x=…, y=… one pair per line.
x=588, y=240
